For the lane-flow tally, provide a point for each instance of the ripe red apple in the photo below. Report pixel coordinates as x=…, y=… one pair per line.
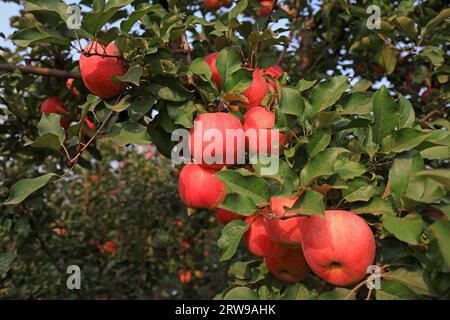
x=217, y=125
x=98, y=66
x=256, y=237
x=274, y=71
x=71, y=87
x=227, y=3
x=212, y=4
x=225, y=216
x=211, y=61
x=338, y=247
x=260, y=121
x=199, y=188
x=287, y=264
x=257, y=90
x=266, y=8
x=184, y=276
x=56, y=105
x=284, y=231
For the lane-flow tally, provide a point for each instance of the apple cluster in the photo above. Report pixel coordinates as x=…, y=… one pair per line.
x=338, y=247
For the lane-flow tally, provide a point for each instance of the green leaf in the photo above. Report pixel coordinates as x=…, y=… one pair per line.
x=286, y=178
x=393, y=290
x=441, y=231
x=436, y=153
x=50, y=123
x=411, y=277
x=251, y=186
x=94, y=21
x=435, y=22
x=406, y=26
x=408, y=229
x=169, y=89
x=424, y=190
x=292, y=102
x=6, y=260
x=348, y=169
x=141, y=11
x=124, y=133
x=23, y=188
x=304, y=84
x=376, y=206
x=385, y=114
x=47, y=141
x=387, y=59
x=133, y=75
x=326, y=93
x=441, y=176
x=228, y=62
x=238, y=204
x=318, y=141
x=55, y=6
x=26, y=37
x=200, y=68
x=357, y=103
x=321, y=165
x=241, y=293
x=362, y=85
x=122, y=105
x=230, y=237
x=337, y=294
x=433, y=54
x=140, y=107
x=359, y=189
x=403, y=168
x=406, y=115
x=182, y=114
x=310, y=203
x=403, y=140
x=298, y=291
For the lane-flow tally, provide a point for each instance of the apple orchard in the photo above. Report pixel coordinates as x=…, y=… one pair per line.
x=226, y=149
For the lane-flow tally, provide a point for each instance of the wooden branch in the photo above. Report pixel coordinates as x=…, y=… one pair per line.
x=40, y=71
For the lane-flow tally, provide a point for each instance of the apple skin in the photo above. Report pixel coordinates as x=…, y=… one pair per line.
x=211, y=61
x=212, y=4
x=71, y=87
x=199, y=188
x=227, y=3
x=288, y=231
x=256, y=237
x=220, y=121
x=274, y=71
x=97, y=71
x=225, y=216
x=257, y=90
x=266, y=8
x=56, y=105
x=261, y=120
x=338, y=247
x=287, y=264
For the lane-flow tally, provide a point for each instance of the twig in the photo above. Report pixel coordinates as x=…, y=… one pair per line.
x=291, y=33
x=40, y=71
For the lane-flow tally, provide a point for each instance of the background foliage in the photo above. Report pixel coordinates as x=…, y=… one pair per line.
x=368, y=110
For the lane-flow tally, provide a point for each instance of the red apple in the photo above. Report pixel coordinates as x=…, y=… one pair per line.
x=227, y=3
x=266, y=8
x=55, y=105
x=98, y=66
x=199, y=188
x=274, y=71
x=259, y=121
x=256, y=237
x=285, y=231
x=211, y=61
x=287, y=264
x=212, y=4
x=225, y=216
x=210, y=152
x=71, y=87
x=338, y=247
x=257, y=90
